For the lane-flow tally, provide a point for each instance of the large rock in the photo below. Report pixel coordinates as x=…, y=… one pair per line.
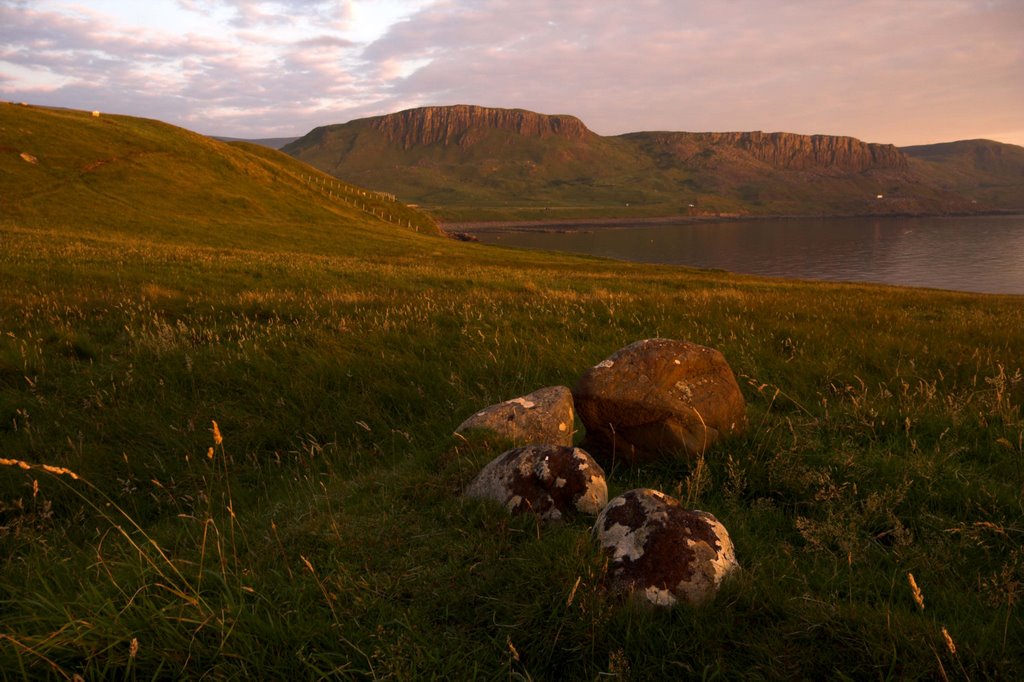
x=544, y=416
x=659, y=397
x=661, y=552
x=552, y=481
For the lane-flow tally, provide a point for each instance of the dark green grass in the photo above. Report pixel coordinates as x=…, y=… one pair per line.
x=326, y=537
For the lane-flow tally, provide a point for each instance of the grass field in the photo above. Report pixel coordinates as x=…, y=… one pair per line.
x=226, y=405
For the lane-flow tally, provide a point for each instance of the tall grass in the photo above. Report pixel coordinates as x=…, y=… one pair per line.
x=327, y=537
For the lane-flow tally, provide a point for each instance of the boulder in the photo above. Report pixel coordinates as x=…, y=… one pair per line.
x=658, y=398
x=544, y=416
x=552, y=481
x=660, y=552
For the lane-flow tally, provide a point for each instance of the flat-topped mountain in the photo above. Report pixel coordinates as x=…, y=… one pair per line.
x=785, y=151
x=458, y=125
x=472, y=162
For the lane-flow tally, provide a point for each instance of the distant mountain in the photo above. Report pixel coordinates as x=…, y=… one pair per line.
x=272, y=142
x=472, y=162
x=991, y=173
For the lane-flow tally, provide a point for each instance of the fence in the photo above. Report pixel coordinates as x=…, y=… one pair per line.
x=350, y=196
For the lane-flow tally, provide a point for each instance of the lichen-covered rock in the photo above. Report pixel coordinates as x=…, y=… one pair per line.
x=661, y=552
x=659, y=397
x=544, y=416
x=552, y=481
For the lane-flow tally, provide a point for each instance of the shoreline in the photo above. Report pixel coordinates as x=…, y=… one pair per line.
x=570, y=224
x=586, y=224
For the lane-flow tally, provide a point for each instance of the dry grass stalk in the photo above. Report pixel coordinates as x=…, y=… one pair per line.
x=950, y=644
x=915, y=591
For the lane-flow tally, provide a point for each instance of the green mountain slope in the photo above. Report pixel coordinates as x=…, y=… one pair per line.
x=135, y=178
x=469, y=162
x=485, y=164
x=991, y=173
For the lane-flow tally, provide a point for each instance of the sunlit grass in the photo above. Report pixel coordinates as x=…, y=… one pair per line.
x=326, y=535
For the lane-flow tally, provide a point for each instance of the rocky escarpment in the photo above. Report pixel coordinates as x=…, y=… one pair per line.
x=479, y=163
x=800, y=152
x=783, y=151
x=450, y=125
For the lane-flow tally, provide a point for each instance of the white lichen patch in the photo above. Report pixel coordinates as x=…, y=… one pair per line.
x=685, y=389
x=724, y=561
x=523, y=402
x=595, y=497
x=605, y=364
x=659, y=596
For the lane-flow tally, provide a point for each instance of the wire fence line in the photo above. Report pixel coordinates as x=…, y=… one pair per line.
x=358, y=198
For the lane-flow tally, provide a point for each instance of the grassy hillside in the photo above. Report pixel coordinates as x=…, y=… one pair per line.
x=991, y=173
x=257, y=409
x=482, y=171
x=122, y=177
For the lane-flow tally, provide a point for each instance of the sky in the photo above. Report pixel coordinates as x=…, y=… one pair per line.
x=893, y=71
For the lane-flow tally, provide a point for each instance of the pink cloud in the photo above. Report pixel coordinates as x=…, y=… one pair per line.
x=908, y=72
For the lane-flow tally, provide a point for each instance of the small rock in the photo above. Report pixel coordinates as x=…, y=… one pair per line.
x=658, y=398
x=661, y=552
x=552, y=481
x=544, y=416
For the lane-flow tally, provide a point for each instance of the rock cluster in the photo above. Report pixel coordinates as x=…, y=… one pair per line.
x=654, y=398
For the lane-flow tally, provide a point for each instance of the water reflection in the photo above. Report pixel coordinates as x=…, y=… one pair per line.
x=980, y=254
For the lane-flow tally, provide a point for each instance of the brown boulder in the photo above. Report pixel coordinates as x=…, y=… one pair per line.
x=660, y=552
x=544, y=416
x=659, y=397
x=552, y=481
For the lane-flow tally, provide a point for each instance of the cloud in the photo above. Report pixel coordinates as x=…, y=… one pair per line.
x=909, y=72
x=210, y=80
x=867, y=67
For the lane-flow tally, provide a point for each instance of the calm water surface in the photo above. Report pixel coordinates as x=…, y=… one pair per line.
x=979, y=254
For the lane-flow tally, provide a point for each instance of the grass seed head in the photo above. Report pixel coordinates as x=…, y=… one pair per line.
x=950, y=644
x=915, y=591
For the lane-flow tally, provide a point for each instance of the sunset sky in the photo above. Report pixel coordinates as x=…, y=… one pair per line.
x=899, y=71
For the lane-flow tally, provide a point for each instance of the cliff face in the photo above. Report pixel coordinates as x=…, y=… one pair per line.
x=802, y=152
x=788, y=151
x=476, y=161
x=450, y=125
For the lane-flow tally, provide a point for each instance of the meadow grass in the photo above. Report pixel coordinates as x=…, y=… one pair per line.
x=266, y=484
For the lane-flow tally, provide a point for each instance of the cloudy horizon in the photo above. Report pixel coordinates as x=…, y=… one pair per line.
x=912, y=72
